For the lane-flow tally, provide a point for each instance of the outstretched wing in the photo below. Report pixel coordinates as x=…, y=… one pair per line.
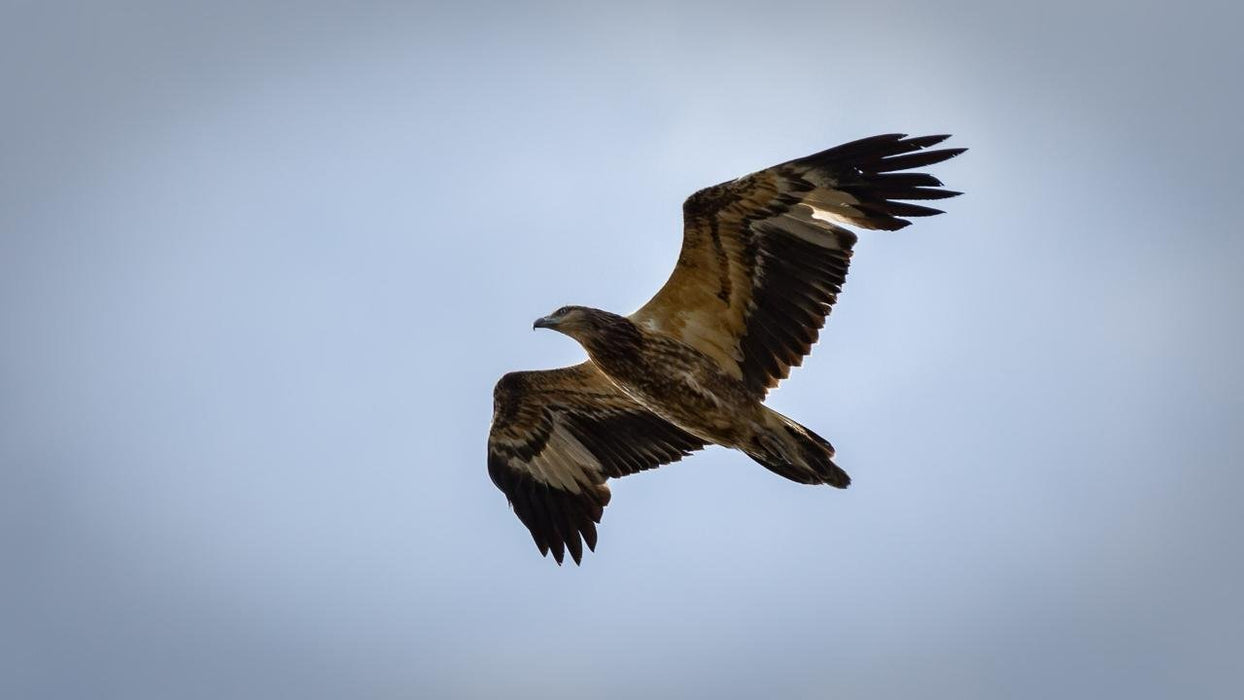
x=557, y=435
x=763, y=257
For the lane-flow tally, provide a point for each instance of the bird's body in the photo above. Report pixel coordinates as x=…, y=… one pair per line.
x=693, y=392
x=762, y=262
x=672, y=379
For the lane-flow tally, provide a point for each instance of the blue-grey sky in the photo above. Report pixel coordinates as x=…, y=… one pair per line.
x=261, y=264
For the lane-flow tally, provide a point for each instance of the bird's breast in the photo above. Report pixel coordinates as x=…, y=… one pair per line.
x=684, y=387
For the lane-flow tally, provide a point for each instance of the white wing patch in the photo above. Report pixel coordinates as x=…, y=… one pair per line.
x=805, y=227
x=564, y=463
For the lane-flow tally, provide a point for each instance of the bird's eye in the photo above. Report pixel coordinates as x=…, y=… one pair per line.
x=562, y=311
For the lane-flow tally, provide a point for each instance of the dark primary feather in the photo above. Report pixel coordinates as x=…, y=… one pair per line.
x=556, y=436
x=865, y=170
x=764, y=256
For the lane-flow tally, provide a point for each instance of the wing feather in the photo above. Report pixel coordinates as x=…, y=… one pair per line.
x=556, y=436
x=765, y=256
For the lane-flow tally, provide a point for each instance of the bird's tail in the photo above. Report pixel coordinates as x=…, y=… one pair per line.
x=788, y=449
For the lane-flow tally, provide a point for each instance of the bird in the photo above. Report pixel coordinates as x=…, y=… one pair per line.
x=762, y=262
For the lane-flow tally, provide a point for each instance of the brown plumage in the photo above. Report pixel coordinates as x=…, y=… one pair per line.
x=762, y=262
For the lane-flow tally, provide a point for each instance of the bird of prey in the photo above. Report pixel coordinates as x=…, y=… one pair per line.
x=762, y=261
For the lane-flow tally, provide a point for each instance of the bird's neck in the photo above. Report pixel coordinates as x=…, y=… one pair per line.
x=613, y=341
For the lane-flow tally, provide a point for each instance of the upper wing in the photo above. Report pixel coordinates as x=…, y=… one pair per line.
x=557, y=435
x=763, y=260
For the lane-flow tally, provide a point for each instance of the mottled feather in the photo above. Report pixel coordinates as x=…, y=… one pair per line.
x=556, y=436
x=764, y=256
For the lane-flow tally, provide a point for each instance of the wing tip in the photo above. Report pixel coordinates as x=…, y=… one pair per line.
x=559, y=521
x=869, y=170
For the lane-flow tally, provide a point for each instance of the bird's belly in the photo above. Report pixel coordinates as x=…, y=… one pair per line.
x=690, y=405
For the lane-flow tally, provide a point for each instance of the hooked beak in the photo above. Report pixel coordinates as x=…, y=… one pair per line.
x=545, y=322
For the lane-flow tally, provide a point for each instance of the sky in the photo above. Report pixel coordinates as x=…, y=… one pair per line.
x=261, y=264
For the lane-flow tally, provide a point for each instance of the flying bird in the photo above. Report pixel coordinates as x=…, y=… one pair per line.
x=762, y=262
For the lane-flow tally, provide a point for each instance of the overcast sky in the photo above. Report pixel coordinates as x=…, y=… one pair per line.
x=261, y=264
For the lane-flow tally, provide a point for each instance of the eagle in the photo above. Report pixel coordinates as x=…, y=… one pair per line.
x=763, y=259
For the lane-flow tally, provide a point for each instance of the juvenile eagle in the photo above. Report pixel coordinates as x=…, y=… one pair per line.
x=763, y=259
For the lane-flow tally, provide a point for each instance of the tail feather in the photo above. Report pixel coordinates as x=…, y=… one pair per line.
x=788, y=449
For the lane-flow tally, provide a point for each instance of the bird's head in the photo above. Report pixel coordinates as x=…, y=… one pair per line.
x=577, y=322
